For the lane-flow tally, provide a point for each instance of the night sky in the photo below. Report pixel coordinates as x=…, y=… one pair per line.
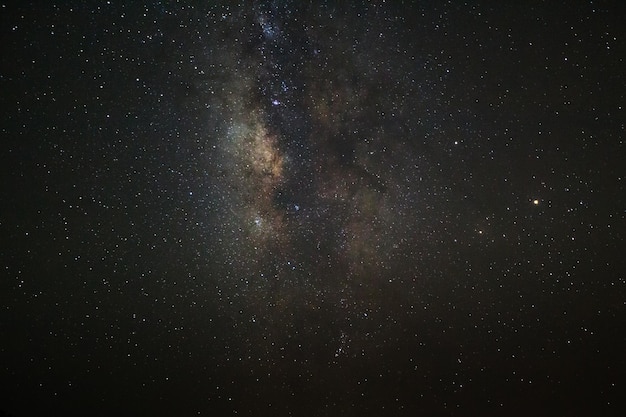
x=290, y=208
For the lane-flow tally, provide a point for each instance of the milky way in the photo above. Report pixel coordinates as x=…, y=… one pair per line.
x=313, y=182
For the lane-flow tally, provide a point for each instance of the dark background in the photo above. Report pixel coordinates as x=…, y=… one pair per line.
x=293, y=208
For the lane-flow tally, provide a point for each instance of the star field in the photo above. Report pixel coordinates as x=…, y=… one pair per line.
x=321, y=209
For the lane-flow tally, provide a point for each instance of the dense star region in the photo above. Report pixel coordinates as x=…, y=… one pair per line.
x=306, y=187
x=323, y=208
